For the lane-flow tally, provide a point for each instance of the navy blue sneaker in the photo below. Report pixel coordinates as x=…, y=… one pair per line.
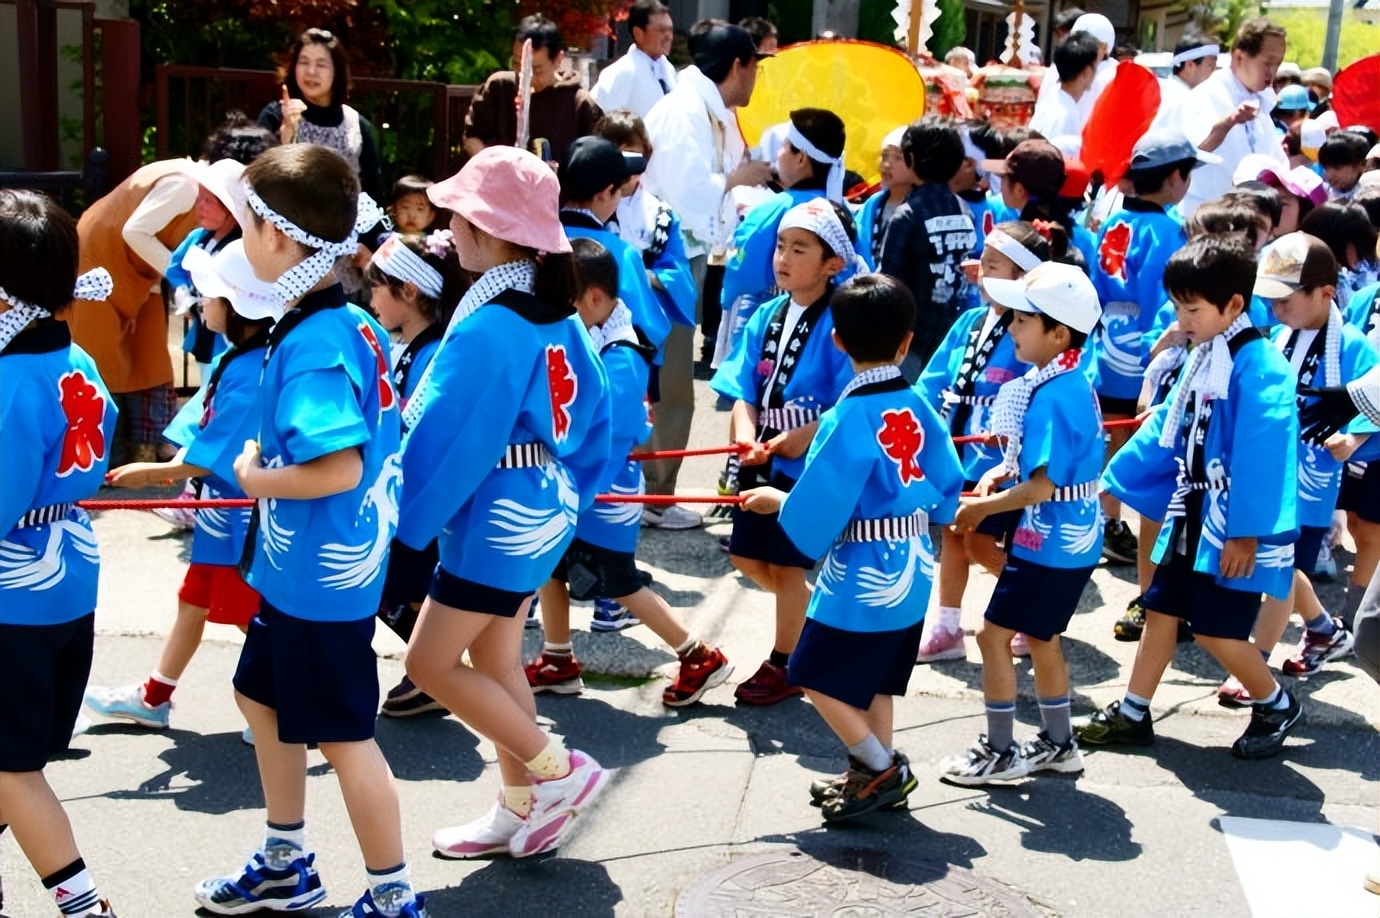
x=610, y=616
x=294, y=887
x=367, y=908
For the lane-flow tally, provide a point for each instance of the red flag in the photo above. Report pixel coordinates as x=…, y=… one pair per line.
x=1356, y=94
x=1122, y=115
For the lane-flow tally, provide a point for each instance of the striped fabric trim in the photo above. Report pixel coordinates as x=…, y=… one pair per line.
x=786, y=419
x=952, y=398
x=525, y=455
x=1076, y=492
x=41, y=515
x=888, y=528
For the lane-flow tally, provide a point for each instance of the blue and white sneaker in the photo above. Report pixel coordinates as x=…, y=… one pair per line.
x=294, y=887
x=610, y=616
x=127, y=703
x=533, y=617
x=366, y=908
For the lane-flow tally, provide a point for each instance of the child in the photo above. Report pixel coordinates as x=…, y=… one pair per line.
x=1299, y=274
x=880, y=469
x=1132, y=248
x=1052, y=430
x=325, y=470
x=409, y=207
x=56, y=418
x=961, y=382
x=1360, y=494
x=929, y=235
x=782, y=373
x=1347, y=230
x=515, y=409
x=211, y=430
x=876, y=211
x=1228, y=427
x=599, y=564
x=415, y=284
x=1343, y=160
x=809, y=165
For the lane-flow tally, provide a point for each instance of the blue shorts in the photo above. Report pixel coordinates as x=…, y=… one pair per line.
x=1360, y=494
x=1001, y=526
x=1307, y=546
x=321, y=678
x=1210, y=609
x=759, y=536
x=468, y=596
x=854, y=666
x=43, y=673
x=593, y=572
x=1036, y=600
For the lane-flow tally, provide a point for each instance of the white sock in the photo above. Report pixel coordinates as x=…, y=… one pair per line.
x=284, y=844
x=950, y=618
x=391, y=889
x=686, y=647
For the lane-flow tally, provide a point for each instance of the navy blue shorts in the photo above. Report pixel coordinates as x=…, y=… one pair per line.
x=594, y=572
x=1210, y=609
x=321, y=678
x=1000, y=526
x=1036, y=600
x=759, y=536
x=468, y=596
x=1117, y=407
x=1360, y=494
x=1307, y=546
x=43, y=673
x=854, y=666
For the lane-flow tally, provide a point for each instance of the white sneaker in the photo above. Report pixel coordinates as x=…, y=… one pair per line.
x=672, y=517
x=981, y=764
x=127, y=703
x=1042, y=754
x=247, y=737
x=489, y=834
x=555, y=802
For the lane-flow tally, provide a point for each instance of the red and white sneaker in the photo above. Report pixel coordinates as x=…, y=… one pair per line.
x=555, y=673
x=489, y=834
x=1232, y=694
x=555, y=803
x=700, y=670
x=942, y=644
x=1316, y=649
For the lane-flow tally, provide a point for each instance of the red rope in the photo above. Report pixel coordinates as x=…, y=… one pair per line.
x=687, y=453
x=1106, y=425
x=732, y=499
x=242, y=502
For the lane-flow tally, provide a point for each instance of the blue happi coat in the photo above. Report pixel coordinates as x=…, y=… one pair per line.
x=633, y=287
x=880, y=452
x=56, y=423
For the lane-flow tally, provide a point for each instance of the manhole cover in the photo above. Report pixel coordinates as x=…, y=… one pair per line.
x=855, y=883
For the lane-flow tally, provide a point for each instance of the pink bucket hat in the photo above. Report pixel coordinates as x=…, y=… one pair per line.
x=509, y=194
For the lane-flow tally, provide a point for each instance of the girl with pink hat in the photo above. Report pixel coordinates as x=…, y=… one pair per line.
x=513, y=414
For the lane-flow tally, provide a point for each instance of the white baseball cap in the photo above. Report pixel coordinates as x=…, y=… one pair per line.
x=228, y=275
x=1062, y=292
x=1098, y=26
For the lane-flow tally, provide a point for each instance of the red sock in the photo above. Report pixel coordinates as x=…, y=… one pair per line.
x=157, y=692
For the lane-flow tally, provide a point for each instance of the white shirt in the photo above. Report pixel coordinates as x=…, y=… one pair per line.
x=1059, y=115
x=170, y=197
x=632, y=83
x=1173, y=94
x=695, y=145
x=1209, y=102
x=1050, y=86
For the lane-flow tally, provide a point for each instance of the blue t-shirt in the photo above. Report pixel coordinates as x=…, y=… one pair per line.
x=327, y=387
x=56, y=423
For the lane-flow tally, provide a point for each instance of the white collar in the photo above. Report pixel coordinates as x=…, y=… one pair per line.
x=702, y=86
x=658, y=64
x=1238, y=91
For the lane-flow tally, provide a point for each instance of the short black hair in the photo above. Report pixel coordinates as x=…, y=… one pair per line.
x=1214, y=268
x=988, y=139
x=1264, y=198
x=410, y=184
x=595, y=267
x=759, y=28
x=719, y=70
x=1341, y=224
x=1250, y=37
x=1074, y=55
x=38, y=249
x=1190, y=43
x=1367, y=197
x=1237, y=216
x=825, y=130
x=872, y=314
x=310, y=185
x=543, y=32
x=1064, y=20
x=239, y=139
x=641, y=13
x=1343, y=148
x=1150, y=181
x=933, y=149
x=1076, y=338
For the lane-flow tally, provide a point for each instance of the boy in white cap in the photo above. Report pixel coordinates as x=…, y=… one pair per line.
x=1052, y=432
x=876, y=211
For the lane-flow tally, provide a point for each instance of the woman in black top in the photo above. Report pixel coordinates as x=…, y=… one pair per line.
x=313, y=110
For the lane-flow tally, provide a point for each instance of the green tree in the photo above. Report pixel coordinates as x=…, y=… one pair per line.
x=950, y=29
x=1220, y=18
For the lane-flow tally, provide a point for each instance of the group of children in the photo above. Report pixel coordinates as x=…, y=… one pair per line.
x=847, y=396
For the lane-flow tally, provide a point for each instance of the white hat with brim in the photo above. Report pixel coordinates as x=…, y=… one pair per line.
x=223, y=179
x=1062, y=292
x=227, y=274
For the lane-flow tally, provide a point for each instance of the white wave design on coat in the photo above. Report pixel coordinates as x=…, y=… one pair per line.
x=882, y=590
x=277, y=538
x=359, y=565
x=832, y=573
x=1110, y=350
x=23, y=568
x=1215, y=506
x=1278, y=557
x=214, y=523
x=1081, y=538
x=621, y=514
x=1313, y=481
x=535, y=532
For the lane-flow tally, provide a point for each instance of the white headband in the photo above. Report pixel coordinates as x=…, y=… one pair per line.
x=834, y=187
x=1193, y=54
x=93, y=285
x=971, y=150
x=301, y=277
x=818, y=217
x=396, y=259
x=1025, y=259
